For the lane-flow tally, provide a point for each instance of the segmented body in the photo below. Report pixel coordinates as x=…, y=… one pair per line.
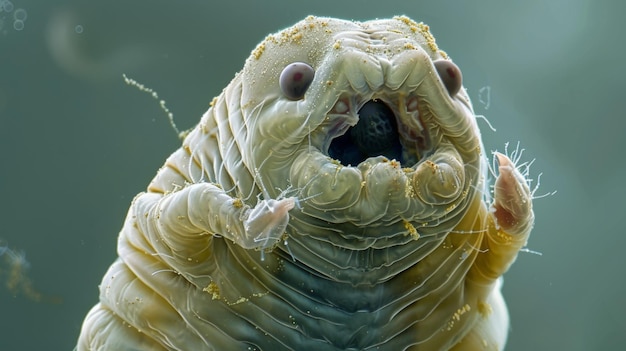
x=251, y=237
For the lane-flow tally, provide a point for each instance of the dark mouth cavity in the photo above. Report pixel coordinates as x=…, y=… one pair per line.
x=376, y=134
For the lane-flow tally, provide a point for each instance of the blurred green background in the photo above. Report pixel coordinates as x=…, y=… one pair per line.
x=77, y=143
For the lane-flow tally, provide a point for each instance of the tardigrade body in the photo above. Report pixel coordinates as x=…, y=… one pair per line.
x=334, y=197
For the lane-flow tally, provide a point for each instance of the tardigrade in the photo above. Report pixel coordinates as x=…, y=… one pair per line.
x=333, y=197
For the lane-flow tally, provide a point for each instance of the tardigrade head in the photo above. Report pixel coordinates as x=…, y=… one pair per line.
x=368, y=119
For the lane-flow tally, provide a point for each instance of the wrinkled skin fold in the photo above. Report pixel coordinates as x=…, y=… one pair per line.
x=252, y=237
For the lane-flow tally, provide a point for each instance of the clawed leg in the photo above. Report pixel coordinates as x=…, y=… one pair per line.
x=509, y=221
x=512, y=199
x=183, y=218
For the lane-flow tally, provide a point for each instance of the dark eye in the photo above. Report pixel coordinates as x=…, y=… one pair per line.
x=295, y=80
x=450, y=74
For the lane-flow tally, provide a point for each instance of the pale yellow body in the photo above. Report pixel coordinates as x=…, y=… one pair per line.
x=252, y=238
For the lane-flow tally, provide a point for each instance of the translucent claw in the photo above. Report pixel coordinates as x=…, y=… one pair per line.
x=512, y=198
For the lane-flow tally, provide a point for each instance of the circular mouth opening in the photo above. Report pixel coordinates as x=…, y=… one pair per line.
x=375, y=134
